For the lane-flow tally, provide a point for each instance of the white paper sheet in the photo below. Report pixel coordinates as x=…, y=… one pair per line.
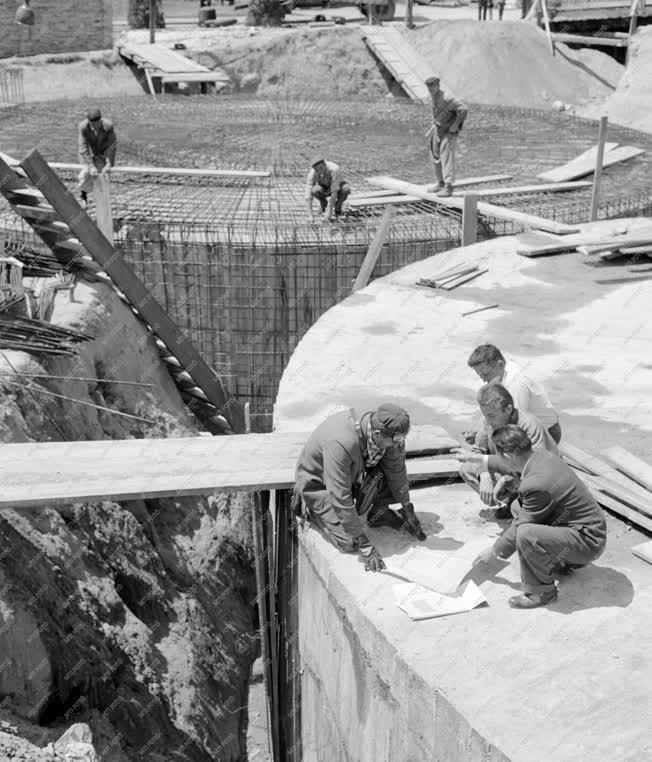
x=420, y=603
x=441, y=572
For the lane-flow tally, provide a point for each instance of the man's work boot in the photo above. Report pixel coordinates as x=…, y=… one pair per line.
x=84, y=199
x=503, y=512
x=446, y=191
x=532, y=600
x=435, y=187
x=383, y=516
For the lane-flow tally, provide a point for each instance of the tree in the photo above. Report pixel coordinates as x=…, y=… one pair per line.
x=265, y=13
x=138, y=17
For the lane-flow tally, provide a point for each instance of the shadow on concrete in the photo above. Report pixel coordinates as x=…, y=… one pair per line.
x=594, y=587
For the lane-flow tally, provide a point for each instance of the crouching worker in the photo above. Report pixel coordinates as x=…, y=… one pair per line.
x=350, y=469
x=559, y=526
x=482, y=465
x=325, y=182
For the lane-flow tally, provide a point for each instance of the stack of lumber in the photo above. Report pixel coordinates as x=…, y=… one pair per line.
x=584, y=164
x=37, y=336
x=637, y=242
x=35, y=263
x=452, y=277
x=619, y=481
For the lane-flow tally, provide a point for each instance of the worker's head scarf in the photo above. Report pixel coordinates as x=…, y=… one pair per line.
x=374, y=451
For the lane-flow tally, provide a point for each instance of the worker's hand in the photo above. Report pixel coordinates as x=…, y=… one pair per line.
x=107, y=169
x=500, y=486
x=93, y=171
x=468, y=456
x=372, y=560
x=469, y=436
x=486, y=488
x=486, y=557
x=411, y=522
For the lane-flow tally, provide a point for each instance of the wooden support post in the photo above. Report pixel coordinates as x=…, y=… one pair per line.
x=103, y=213
x=595, y=193
x=152, y=21
x=470, y=220
x=247, y=416
x=409, y=14
x=633, y=21
x=371, y=257
x=546, y=21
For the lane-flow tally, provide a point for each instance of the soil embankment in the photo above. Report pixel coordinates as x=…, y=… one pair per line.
x=135, y=618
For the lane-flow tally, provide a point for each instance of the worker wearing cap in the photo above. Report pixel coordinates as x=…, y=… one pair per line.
x=325, y=183
x=97, y=149
x=352, y=468
x=448, y=115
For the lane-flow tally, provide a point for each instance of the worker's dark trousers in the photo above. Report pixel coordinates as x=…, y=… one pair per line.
x=555, y=432
x=373, y=493
x=322, y=193
x=541, y=548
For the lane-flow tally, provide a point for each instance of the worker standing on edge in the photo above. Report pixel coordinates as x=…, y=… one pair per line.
x=448, y=115
x=97, y=149
x=351, y=468
x=529, y=396
x=326, y=184
x=559, y=526
x=482, y=465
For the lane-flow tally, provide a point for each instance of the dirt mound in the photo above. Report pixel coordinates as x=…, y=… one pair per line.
x=631, y=103
x=509, y=63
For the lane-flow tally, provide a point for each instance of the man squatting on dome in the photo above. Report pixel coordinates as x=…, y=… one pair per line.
x=350, y=469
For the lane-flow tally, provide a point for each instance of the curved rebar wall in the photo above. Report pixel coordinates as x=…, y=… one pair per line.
x=236, y=262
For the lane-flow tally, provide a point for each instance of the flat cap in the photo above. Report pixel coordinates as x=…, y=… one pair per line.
x=316, y=160
x=432, y=79
x=391, y=418
x=93, y=114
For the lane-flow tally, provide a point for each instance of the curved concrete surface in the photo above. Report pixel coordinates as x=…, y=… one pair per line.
x=568, y=682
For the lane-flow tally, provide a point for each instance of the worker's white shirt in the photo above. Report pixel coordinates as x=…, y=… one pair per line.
x=528, y=394
x=336, y=178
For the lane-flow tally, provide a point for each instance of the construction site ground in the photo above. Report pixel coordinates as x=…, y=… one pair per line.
x=533, y=685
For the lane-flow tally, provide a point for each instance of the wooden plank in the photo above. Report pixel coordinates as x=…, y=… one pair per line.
x=463, y=279
x=523, y=190
x=489, y=210
x=196, y=76
x=173, y=171
x=159, y=57
x=37, y=212
x=597, y=173
x=588, y=40
x=102, y=251
x=629, y=250
x=615, y=243
x=371, y=257
x=386, y=201
x=470, y=220
x=558, y=174
x=546, y=23
x=630, y=465
x=644, y=551
x=103, y=212
x=614, y=505
x=576, y=168
x=599, y=467
x=589, y=240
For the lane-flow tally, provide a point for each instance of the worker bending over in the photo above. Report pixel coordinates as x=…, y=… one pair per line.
x=326, y=184
x=352, y=468
x=529, y=396
x=448, y=115
x=559, y=526
x=97, y=149
x=482, y=467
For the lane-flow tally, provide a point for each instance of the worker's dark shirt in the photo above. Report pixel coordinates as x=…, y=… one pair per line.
x=332, y=462
x=97, y=144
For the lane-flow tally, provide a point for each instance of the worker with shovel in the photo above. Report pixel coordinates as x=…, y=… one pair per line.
x=559, y=526
x=352, y=468
x=448, y=115
x=97, y=150
x=326, y=183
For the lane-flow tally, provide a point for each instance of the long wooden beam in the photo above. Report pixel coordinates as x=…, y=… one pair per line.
x=463, y=183
x=487, y=210
x=47, y=181
x=145, y=170
x=630, y=465
x=588, y=39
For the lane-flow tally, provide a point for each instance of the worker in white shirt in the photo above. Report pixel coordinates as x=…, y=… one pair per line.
x=326, y=184
x=529, y=396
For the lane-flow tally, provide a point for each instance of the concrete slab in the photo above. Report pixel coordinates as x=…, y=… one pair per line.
x=567, y=682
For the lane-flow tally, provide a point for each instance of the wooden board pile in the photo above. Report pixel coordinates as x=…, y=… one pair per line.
x=452, y=277
x=619, y=481
x=35, y=263
x=614, y=245
x=37, y=336
x=584, y=164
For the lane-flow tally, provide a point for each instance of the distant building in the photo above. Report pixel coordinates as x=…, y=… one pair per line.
x=61, y=26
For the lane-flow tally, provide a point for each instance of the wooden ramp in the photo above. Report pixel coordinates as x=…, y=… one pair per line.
x=55, y=473
x=164, y=66
x=400, y=58
x=56, y=217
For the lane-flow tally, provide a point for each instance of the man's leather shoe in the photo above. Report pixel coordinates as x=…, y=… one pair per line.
x=503, y=512
x=532, y=600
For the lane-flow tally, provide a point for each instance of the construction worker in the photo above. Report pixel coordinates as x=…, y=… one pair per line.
x=529, y=396
x=326, y=184
x=448, y=115
x=97, y=149
x=482, y=465
x=559, y=526
x=354, y=467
